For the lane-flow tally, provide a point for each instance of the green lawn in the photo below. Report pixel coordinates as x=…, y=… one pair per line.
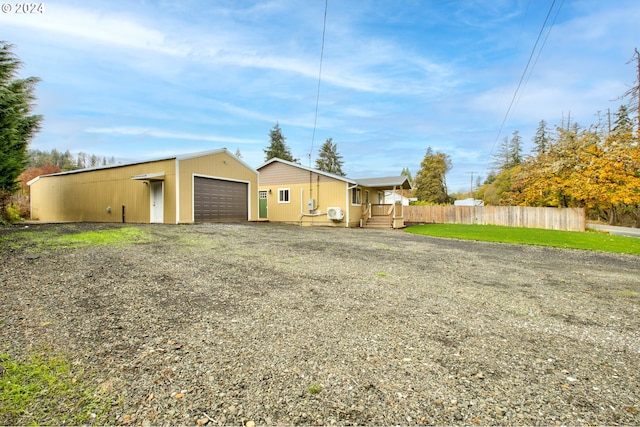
x=590, y=240
x=47, y=389
x=66, y=237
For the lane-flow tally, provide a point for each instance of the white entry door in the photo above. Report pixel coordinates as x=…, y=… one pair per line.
x=157, y=201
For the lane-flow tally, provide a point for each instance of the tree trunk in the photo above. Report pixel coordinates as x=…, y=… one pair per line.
x=613, y=215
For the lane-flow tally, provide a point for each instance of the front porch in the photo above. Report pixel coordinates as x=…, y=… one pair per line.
x=382, y=216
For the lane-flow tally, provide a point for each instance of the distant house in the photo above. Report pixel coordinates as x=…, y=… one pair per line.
x=201, y=187
x=468, y=202
x=391, y=196
x=296, y=194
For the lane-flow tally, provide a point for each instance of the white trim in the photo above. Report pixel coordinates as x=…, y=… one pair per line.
x=148, y=176
x=193, y=195
x=346, y=184
x=152, y=217
x=358, y=190
x=34, y=180
x=160, y=159
x=288, y=190
x=217, y=151
x=177, y=191
x=266, y=194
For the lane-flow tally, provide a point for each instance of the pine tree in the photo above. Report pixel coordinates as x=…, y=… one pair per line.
x=406, y=172
x=278, y=147
x=515, y=150
x=328, y=158
x=17, y=124
x=542, y=139
x=501, y=157
x=430, y=182
x=622, y=123
x=509, y=154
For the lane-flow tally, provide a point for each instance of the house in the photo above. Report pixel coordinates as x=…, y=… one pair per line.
x=468, y=202
x=391, y=196
x=296, y=194
x=201, y=187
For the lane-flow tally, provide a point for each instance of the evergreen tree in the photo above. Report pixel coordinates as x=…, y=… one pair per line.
x=17, y=124
x=278, y=147
x=509, y=153
x=406, y=172
x=515, y=150
x=542, y=139
x=501, y=157
x=622, y=123
x=328, y=158
x=430, y=182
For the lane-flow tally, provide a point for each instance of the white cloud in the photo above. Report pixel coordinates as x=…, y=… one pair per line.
x=159, y=133
x=94, y=26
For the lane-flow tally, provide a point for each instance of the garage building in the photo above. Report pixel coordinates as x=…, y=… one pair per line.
x=213, y=186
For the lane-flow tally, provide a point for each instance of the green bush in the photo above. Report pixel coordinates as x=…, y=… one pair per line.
x=12, y=213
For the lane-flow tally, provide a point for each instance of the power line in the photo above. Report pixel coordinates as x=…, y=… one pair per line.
x=315, y=119
x=524, y=73
x=544, y=42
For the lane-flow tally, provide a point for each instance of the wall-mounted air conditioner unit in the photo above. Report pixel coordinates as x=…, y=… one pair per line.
x=335, y=214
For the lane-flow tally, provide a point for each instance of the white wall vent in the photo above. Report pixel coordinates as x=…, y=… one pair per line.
x=335, y=213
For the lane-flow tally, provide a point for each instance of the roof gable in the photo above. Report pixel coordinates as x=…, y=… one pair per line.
x=316, y=171
x=381, y=182
x=176, y=157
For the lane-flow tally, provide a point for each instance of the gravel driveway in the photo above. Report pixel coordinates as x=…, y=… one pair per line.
x=263, y=324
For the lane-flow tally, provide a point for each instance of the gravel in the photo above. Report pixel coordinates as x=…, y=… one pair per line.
x=263, y=324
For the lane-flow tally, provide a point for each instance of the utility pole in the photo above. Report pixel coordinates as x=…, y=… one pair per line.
x=634, y=91
x=638, y=88
x=471, y=183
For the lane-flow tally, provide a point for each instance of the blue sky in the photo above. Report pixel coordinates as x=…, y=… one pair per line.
x=144, y=79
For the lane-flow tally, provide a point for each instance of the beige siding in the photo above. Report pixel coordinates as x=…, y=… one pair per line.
x=85, y=196
x=279, y=173
x=220, y=165
x=304, y=185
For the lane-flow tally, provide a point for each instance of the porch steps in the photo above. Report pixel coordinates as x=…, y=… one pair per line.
x=378, y=222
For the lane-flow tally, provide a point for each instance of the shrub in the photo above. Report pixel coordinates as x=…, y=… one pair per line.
x=12, y=213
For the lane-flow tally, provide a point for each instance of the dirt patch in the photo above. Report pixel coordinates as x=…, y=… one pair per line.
x=240, y=323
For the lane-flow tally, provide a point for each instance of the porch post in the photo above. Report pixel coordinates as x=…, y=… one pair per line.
x=393, y=219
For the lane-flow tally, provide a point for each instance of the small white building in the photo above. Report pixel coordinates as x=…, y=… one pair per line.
x=469, y=202
x=391, y=197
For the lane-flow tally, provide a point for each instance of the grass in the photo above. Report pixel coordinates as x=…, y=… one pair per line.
x=593, y=241
x=315, y=388
x=66, y=238
x=45, y=389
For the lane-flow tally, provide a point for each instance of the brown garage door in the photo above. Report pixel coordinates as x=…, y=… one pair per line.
x=218, y=200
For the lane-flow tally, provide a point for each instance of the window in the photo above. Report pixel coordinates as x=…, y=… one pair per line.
x=356, y=196
x=366, y=197
x=283, y=195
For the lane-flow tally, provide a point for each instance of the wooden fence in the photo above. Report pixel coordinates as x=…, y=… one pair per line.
x=568, y=219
